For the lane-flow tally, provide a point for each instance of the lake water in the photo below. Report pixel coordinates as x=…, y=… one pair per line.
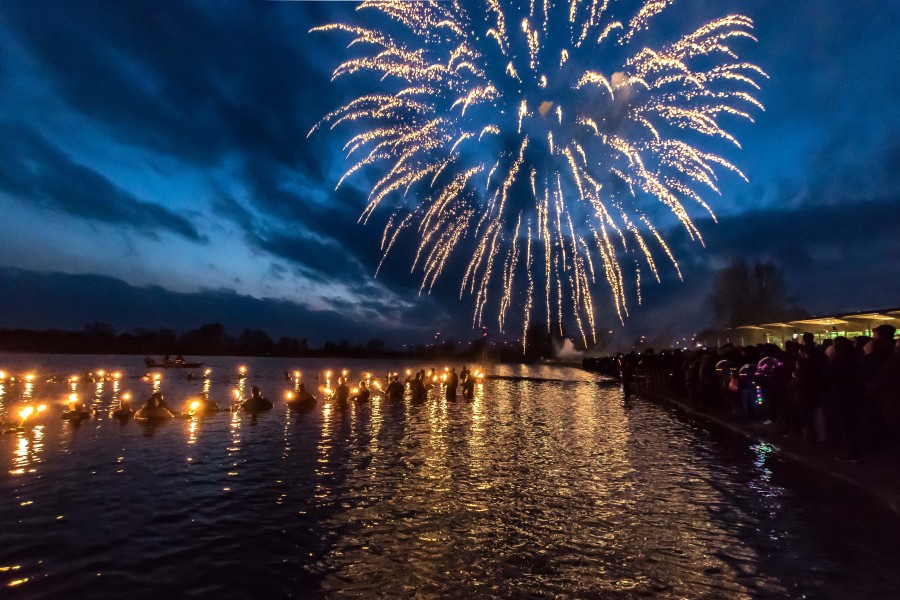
x=534, y=489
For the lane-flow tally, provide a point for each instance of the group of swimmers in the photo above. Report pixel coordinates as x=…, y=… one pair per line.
x=418, y=387
x=156, y=409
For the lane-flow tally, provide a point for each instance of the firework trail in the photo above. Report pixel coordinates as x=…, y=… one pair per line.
x=534, y=139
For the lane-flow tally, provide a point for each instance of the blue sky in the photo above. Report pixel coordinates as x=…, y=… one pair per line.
x=163, y=144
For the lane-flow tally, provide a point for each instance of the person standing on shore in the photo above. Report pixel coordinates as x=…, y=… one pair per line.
x=876, y=354
x=844, y=405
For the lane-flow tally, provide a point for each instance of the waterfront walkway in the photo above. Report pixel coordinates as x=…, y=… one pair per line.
x=877, y=475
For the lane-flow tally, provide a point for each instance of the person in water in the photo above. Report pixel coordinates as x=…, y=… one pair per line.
x=154, y=409
x=341, y=392
x=124, y=410
x=256, y=402
x=469, y=387
x=363, y=394
x=418, y=389
x=395, y=390
x=303, y=399
x=77, y=411
x=452, y=384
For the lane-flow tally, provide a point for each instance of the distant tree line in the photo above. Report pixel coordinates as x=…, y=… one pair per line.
x=212, y=339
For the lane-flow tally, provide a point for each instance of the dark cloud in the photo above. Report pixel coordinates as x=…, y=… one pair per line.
x=321, y=260
x=48, y=300
x=37, y=172
x=190, y=80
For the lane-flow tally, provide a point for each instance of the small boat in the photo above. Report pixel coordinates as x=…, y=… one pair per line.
x=171, y=364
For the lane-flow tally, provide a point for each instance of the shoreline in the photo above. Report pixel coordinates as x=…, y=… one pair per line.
x=877, y=477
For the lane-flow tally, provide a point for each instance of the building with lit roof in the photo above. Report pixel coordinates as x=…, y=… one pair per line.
x=849, y=325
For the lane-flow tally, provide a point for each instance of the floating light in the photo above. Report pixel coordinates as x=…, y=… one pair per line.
x=29, y=377
x=296, y=374
x=26, y=412
x=288, y=395
x=194, y=406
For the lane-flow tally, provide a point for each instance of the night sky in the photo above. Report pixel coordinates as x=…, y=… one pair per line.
x=155, y=171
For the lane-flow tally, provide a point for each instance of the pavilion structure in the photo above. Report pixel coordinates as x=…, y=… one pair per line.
x=849, y=325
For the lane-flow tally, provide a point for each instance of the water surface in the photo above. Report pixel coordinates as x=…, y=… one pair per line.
x=534, y=489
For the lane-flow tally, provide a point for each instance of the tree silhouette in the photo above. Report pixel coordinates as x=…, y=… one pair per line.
x=745, y=294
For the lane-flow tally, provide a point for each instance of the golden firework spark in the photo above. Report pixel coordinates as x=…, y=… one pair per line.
x=470, y=100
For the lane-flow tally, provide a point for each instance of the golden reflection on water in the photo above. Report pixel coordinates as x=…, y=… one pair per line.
x=98, y=394
x=235, y=432
x=193, y=430
x=28, y=392
x=28, y=450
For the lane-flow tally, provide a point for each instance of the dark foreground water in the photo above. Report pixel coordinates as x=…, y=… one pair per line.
x=535, y=489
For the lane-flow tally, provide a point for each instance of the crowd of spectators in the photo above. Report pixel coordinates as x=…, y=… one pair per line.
x=840, y=391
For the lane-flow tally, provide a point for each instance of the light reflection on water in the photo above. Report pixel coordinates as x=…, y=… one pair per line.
x=532, y=489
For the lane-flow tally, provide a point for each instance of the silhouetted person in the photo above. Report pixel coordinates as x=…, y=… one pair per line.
x=875, y=355
x=154, y=409
x=417, y=389
x=452, y=384
x=395, y=390
x=808, y=387
x=341, y=393
x=124, y=409
x=302, y=400
x=256, y=402
x=844, y=407
x=363, y=394
x=708, y=382
x=469, y=387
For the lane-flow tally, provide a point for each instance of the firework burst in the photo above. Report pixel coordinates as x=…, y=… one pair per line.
x=535, y=139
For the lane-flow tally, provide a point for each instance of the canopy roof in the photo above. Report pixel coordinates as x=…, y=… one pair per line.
x=865, y=319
